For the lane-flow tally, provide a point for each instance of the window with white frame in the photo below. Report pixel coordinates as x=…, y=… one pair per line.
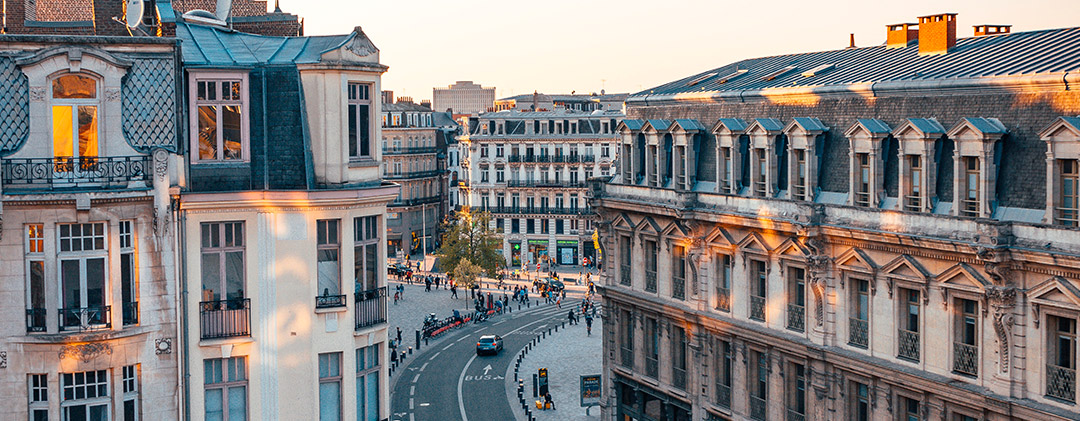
x=75, y=122
x=1061, y=357
x=966, y=337
x=38, y=387
x=862, y=180
x=859, y=313
x=723, y=282
x=130, y=381
x=330, y=386
x=225, y=385
x=219, y=126
x=223, y=262
x=913, y=196
x=129, y=288
x=970, y=202
x=360, y=127
x=328, y=262
x=1068, y=203
x=83, y=270
x=367, y=383
x=365, y=253
x=85, y=396
x=35, y=278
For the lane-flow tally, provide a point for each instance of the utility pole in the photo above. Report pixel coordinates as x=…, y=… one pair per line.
x=423, y=246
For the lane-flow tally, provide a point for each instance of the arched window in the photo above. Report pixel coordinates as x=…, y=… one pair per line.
x=74, y=121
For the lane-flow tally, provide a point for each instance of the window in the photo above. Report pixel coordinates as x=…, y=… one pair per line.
x=650, y=265
x=82, y=276
x=626, y=345
x=129, y=287
x=762, y=172
x=862, y=183
x=223, y=263
x=605, y=151
x=969, y=202
x=545, y=225
x=483, y=151
x=801, y=191
x=966, y=337
x=908, y=333
x=39, y=397
x=1068, y=207
x=758, y=285
x=359, y=121
x=860, y=402
x=74, y=122
x=225, y=383
x=328, y=262
x=484, y=176
x=515, y=226
x=330, y=386
x=678, y=356
x=499, y=225
x=859, y=314
x=796, y=392
x=85, y=395
x=909, y=409
x=530, y=226
x=624, y=260
x=130, y=380
x=913, y=196
x=367, y=383
x=652, y=347
x=35, y=278
x=365, y=253
x=499, y=150
x=723, y=282
x=1061, y=358
x=500, y=176
x=758, y=376
x=219, y=125
x=796, y=309
x=678, y=272
x=724, y=365
x=558, y=226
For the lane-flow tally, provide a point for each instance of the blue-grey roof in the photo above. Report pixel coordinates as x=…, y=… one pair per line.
x=770, y=124
x=927, y=125
x=875, y=126
x=633, y=124
x=733, y=124
x=1072, y=121
x=986, y=125
x=1018, y=53
x=811, y=124
x=214, y=46
x=690, y=124
x=659, y=124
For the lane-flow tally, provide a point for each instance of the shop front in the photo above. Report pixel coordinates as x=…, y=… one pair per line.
x=639, y=402
x=567, y=252
x=515, y=254
x=538, y=251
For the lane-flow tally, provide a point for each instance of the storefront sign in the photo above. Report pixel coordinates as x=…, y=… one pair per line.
x=590, y=390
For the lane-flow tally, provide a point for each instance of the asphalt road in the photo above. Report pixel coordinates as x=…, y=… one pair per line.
x=448, y=381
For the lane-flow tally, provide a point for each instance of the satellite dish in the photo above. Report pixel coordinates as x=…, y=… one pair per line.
x=224, y=7
x=134, y=14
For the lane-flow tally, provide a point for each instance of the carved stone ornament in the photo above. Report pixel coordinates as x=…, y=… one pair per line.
x=37, y=94
x=163, y=346
x=994, y=265
x=360, y=44
x=112, y=94
x=816, y=266
x=3, y=359
x=85, y=352
x=161, y=163
x=888, y=398
x=1002, y=300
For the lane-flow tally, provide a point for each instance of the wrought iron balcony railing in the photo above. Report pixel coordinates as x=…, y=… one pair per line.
x=411, y=174
x=35, y=320
x=652, y=366
x=796, y=317
x=678, y=288
x=757, y=308
x=650, y=281
x=793, y=415
x=1061, y=382
x=545, y=183
x=723, y=299
x=106, y=172
x=678, y=378
x=624, y=275
x=723, y=395
x=757, y=408
x=225, y=318
x=130, y=313
x=409, y=150
x=858, y=332
x=370, y=307
x=538, y=210
x=85, y=318
x=416, y=202
x=626, y=357
x=909, y=345
x=965, y=359
x=330, y=301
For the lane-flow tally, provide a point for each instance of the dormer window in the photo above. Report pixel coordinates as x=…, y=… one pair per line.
x=976, y=140
x=1068, y=201
x=803, y=135
x=360, y=121
x=969, y=204
x=219, y=126
x=913, y=183
x=1062, y=139
x=862, y=180
x=919, y=142
x=75, y=122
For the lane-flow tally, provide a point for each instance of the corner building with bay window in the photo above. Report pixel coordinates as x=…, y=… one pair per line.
x=875, y=233
x=280, y=227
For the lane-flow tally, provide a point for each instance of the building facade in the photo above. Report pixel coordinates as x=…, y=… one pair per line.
x=283, y=176
x=529, y=170
x=463, y=98
x=869, y=233
x=88, y=143
x=549, y=102
x=414, y=143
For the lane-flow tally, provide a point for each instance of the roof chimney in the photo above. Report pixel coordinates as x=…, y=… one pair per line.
x=981, y=30
x=851, y=41
x=901, y=34
x=937, y=33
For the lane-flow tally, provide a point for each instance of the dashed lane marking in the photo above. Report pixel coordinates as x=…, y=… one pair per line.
x=436, y=355
x=414, y=379
x=423, y=367
x=412, y=390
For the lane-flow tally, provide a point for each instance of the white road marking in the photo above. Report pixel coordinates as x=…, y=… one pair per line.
x=433, y=356
x=411, y=417
x=461, y=377
x=411, y=403
x=448, y=346
x=412, y=390
x=414, y=379
x=423, y=367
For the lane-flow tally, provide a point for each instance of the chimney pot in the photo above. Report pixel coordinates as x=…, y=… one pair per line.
x=982, y=30
x=937, y=33
x=901, y=34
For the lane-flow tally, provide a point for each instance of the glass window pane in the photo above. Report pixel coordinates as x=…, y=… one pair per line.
x=230, y=132
x=211, y=277
x=329, y=401
x=95, y=283
x=234, y=274
x=370, y=273
x=238, y=403
x=352, y=130
x=208, y=127
x=364, y=136
x=69, y=279
x=328, y=269
x=74, y=87
x=88, y=131
x=372, y=399
x=214, y=409
x=63, y=131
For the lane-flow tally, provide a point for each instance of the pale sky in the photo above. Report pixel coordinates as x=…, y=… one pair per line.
x=558, y=46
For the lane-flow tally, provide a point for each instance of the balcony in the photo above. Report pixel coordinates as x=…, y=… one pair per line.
x=757, y=408
x=111, y=172
x=796, y=317
x=678, y=378
x=624, y=275
x=650, y=281
x=130, y=313
x=909, y=345
x=330, y=301
x=793, y=415
x=857, y=332
x=626, y=357
x=85, y=318
x=35, y=320
x=965, y=359
x=652, y=366
x=723, y=395
x=678, y=288
x=411, y=174
x=410, y=150
x=416, y=202
x=757, y=308
x=545, y=183
x=538, y=210
x=225, y=318
x=723, y=299
x=370, y=307
x=1061, y=383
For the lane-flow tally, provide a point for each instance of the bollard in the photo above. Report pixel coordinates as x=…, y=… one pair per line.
x=426, y=341
x=417, y=338
x=410, y=350
x=535, y=388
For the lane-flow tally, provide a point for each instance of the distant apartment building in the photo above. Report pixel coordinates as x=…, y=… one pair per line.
x=463, y=98
x=529, y=170
x=551, y=102
x=414, y=144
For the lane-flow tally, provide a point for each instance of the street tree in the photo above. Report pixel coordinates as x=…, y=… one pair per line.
x=466, y=274
x=469, y=235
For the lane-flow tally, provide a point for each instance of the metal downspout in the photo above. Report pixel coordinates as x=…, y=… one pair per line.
x=181, y=239
x=266, y=134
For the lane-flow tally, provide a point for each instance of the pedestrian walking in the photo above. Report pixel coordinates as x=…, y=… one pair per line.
x=453, y=291
x=399, y=334
x=571, y=317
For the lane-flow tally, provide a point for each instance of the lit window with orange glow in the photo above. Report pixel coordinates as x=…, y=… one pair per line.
x=74, y=122
x=218, y=126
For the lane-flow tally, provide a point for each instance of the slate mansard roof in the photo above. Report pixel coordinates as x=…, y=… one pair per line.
x=204, y=45
x=1043, y=52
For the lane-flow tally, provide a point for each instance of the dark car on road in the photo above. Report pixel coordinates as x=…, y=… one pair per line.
x=489, y=344
x=397, y=269
x=555, y=285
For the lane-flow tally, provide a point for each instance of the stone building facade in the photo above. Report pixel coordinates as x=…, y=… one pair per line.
x=840, y=236
x=88, y=156
x=463, y=98
x=529, y=170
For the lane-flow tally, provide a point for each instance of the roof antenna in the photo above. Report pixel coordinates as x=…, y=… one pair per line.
x=277, y=6
x=851, y=43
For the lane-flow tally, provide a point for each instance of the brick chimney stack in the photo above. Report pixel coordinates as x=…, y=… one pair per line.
x=937, y=33
x=981, y=30
x=901, y=34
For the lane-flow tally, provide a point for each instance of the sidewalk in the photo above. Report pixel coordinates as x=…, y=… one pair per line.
x=567, y=354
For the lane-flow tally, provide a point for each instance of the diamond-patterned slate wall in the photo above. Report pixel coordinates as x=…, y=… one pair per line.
x=149, y=104
x=14, y=107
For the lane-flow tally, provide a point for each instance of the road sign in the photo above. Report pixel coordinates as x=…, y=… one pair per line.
x=590, y=390
x=542, y=375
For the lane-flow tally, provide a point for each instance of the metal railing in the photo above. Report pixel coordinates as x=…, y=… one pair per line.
x=650, y=281
x=678, y=288
x=544, y=159
x=965, y=359
x=909, y=345
x=624, y=275
x=545, y=183
x=652, y=366
x=129, y=313
x=862, y=199
x=913, y=203
x=796, y=317
x=1067, y=216
x=330, y=301
x=793, y=415
x=969, y=207
x=723, y=299
x=626, y=357
x=225, y=318
x=723, y=395
x=757, y=308
x=539, y=210
x=411, y=174
x=857, y=332
x=678, y=378
x=1061, y=382
x=35, y=320
x=409, y=150
x=86, y=318
x=370, y=307
x=757, y=408
x=106, y=172
x=416, y=201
